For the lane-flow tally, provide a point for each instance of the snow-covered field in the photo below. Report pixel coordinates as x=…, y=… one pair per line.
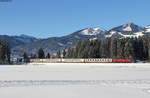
x=75, y=80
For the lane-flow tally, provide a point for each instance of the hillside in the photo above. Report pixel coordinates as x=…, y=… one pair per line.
x=23, y=43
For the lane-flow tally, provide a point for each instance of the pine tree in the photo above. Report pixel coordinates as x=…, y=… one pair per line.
x=125, y=48
x=64, y=53
x=113, y=48
x=58, y=54
x=25, y=57
x=41, y=54
x=48, y=55
x=129, y=50
x=149, y=49
x=4, y=52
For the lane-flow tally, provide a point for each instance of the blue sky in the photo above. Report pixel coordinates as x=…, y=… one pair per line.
x=49, y=18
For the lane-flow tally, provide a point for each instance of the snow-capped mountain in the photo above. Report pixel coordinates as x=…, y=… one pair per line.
x=93, y=31
x=127, y=30
x=29, y=44
x=147, y=29
x=54, y=44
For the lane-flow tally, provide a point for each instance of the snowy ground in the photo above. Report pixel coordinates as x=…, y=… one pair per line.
x=75, y=81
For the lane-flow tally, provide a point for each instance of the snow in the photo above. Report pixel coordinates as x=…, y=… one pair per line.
x=147, y=28
x=98, y=28
x=75, y=80
x=93, y=31
x=131, y=26
x=127, y=28
x=137, y=34
x=93, y=39
x=111, y=34
x=60, y=44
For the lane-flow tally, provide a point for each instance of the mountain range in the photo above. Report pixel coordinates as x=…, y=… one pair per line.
x=29, y=44
x=18, y=40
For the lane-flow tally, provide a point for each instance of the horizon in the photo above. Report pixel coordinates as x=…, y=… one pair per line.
x=59, y=18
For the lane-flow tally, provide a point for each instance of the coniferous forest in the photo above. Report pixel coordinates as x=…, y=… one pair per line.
x=125, y=48
x=4, y=52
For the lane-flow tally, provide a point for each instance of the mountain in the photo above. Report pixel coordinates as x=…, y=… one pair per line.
x=18, y=40
x=29, y=44
x=54, y=44
x=127, y=30
x=147, y=29
x=92, y=31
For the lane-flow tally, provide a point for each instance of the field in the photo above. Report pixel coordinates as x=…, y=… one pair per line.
x=75, y=80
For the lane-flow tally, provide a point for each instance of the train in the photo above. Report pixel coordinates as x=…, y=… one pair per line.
x=87, y=60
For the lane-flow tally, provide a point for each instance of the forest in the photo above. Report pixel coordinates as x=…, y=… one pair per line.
x=5, y=52
x=125, y=48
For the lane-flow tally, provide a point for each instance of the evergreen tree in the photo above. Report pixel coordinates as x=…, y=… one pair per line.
x=58, y=54
x=4, y=52
x=41, y=54
x=149, y=49
x=25, y=57
x=113, y=48
x=48, y=55
x=125, y=48
x=129, y=50
x=64, y=53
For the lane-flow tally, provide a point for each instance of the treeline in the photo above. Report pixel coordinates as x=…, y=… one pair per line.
x=42, y=55
x=4, y=52
x=125, y=48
